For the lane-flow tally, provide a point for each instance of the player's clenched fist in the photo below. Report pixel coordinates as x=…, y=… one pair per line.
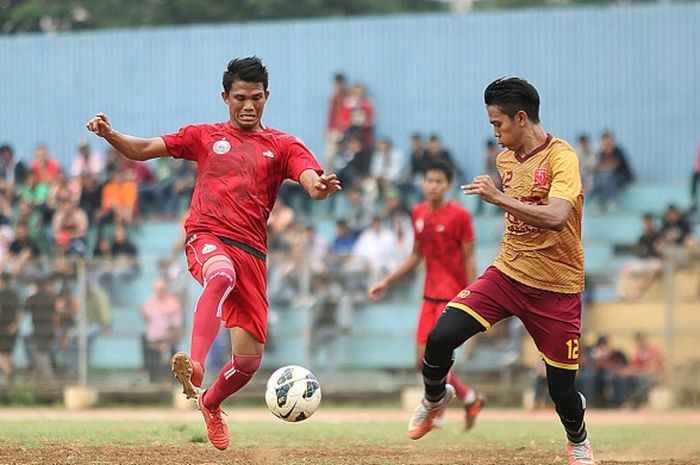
x=100, y=125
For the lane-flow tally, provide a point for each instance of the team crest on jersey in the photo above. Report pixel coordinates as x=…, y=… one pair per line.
x=540, y=177
x=268, y=154
x=221, y=146
x=419, y=225
x=440, y=228
x=463, y=294
x=208, y=248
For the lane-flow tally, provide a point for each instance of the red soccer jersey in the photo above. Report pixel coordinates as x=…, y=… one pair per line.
x=441, y=233
x=240, y=173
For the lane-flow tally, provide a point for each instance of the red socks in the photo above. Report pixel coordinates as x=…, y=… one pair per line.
x=219, y=282
x=463, y=391
x=233, y=376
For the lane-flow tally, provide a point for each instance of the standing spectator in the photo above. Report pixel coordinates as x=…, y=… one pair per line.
x=41, y=307
x=90, y=195
x=44, y=167
x=612, y=173
x=98, y=321
x=70, y=225
x=86, y=161
x=35, y=193
x=63, y=191
x=358, y=159
x=357, y=116
x=9, y=322
x=375, y=249
x=646, y=369
x=588, y=160
x=13, y=172
x=419, y=157
x=162, y=315
x=335, y=126
x=65, y=325
x=695, y=180
x=386, y=165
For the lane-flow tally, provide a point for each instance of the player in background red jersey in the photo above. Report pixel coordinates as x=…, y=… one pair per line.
x=242, y=164
x=444, y=236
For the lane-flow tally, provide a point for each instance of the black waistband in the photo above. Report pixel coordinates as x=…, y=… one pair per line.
x=437, y=301
x=244, y=247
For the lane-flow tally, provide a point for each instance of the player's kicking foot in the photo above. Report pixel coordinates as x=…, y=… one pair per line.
x=423, y=418
x=216, y=427
x=471, y=411
x=188, y=372
x=581, y=453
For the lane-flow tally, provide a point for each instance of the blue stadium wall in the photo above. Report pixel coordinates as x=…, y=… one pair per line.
x=633, y=69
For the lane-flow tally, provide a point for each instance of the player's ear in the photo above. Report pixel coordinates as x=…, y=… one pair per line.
x=224, y=96
x=267, y=95
x=521, y=118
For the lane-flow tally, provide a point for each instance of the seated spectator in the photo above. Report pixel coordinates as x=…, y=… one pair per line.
x=184, y=176
x=315, y=247
x=344, y=239
x=418, y=158
x=611, y=173
x=22, y=250
x=62, y=191
x=386, y=164
x=361, y=211
x=588, y=160
x=70, y=226
x=610, y=365
x=354, y=162
x=33, y=219
x=436, y=151
x=13, y=172
x=376, y=250
x=154, y=193
x=35, y=194
x=44, y=167
x=9, y=323
x=119, y=201
x=90, y=195
x=675, y=230
x=637, y=276
x=87, y=162
x=645, y=371
x=162, y=315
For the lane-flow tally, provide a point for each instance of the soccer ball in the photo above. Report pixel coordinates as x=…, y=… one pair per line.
x=293, y=393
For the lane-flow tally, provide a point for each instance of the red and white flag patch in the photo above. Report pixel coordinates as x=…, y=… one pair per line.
x=540, y=177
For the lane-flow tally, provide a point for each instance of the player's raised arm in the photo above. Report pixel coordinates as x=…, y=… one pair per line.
x=553, y=215
x=133, y=148
x=376, y=290
x=319, y=187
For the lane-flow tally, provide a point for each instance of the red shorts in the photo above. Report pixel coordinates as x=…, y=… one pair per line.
x=246, y=306
x=552, y=319
x=429, y=314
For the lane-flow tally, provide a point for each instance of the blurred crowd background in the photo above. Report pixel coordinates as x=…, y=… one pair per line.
x=94, y=287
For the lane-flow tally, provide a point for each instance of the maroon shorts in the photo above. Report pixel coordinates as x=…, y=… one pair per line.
x=429, y=314
x=552, y=319
x=246, y=306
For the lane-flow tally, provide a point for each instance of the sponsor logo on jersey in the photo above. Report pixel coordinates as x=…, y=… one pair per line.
x=540, y=177
x=440, y=228
x=268, y=154
x=419, y=225
x=221, y=146
x=208, y=248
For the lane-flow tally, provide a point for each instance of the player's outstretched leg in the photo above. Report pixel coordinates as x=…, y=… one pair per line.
x=570, y=406
x=473, y=401
x=232, y=377
x=452, y=329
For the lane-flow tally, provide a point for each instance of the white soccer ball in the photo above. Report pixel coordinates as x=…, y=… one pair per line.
x=293, y=393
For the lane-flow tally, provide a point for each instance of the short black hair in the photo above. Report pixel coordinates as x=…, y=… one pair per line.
x=7, y=148
x=583, y=138
x=248, y=69
x=339, y=77
x=439, y=165
x=512, y=95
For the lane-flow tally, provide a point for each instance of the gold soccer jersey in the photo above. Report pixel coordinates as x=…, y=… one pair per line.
x=543, y=258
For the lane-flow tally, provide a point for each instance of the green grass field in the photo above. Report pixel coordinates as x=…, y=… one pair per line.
x=322, y=442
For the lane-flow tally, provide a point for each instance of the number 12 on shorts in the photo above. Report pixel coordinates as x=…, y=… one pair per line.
x=572, y=345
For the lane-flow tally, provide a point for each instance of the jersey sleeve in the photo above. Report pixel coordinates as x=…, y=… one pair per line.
x=184, y=143
x=299, y=159
x=566, y=177
x=466, y=228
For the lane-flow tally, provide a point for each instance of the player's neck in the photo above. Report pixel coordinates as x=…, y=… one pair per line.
x=437, y=204
x=532, y=140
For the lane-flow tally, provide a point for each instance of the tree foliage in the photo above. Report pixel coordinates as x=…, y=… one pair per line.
x=59, y=15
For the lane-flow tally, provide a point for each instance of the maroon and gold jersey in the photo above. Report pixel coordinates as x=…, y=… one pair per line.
x=543, y=258
x=441, y=233
x=240, y=173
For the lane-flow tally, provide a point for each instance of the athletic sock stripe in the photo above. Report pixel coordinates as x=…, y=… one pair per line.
x=221, y=302
x=230, y=373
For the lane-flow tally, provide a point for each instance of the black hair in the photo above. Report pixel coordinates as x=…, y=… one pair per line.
x=416, y=135
x=248, y=69
x=583, y=137
x=339, y=77
x=439, y=165
x=490, y=143
x=512, y=95
x=6, y=148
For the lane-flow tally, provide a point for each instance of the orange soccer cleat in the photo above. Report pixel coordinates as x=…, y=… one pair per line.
x=471, y=411
x=216, y=427
x=423, y=418
x=188, y=372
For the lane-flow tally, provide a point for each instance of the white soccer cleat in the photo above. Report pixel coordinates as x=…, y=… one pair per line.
x=423, y=418
x=581, y=453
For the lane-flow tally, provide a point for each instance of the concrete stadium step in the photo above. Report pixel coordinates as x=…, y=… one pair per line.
x=117, y=352
x=616, y=228
x=655, y=198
